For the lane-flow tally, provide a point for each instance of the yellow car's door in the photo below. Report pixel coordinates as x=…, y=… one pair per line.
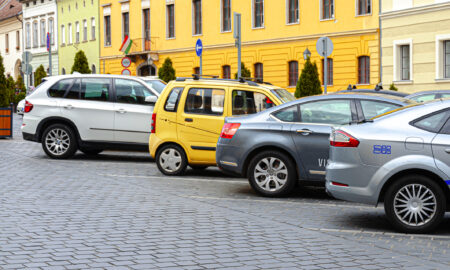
x=200, y=119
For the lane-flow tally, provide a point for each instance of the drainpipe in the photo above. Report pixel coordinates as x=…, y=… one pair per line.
x=380, y=39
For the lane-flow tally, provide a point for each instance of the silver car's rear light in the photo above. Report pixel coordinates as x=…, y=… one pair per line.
x=340, y=138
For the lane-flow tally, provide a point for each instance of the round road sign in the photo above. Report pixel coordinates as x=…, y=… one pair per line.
x=126, y=72
x=126, y=62
x=324, y=46
x=199, y=47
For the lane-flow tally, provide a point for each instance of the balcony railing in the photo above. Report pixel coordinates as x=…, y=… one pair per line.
x=141, y=45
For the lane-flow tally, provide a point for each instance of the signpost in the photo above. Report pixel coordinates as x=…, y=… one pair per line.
x=126, y=62
x=26, y=67
x=198, y=51
x=324, y=47
x=49, y=49
x=126, y=72
x=238, y=39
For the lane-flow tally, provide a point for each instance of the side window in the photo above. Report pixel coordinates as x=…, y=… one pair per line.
x=289, y=114
x=59, y=89
x=205, y=101
x=372, y=108
x=172, y=101
x=446, y=129
x=74, y=91
x=335, y=112
x=424, y=98
x=445, y=96
x=131, y=92
x=95, y=89
x=249, y=102
x=432, y=123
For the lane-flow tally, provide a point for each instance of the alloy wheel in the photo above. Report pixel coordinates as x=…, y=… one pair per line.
x=57, y=141
x=270, y=174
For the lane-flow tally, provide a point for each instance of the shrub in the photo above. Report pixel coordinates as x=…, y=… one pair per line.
x=308, y=83
x=167, y=72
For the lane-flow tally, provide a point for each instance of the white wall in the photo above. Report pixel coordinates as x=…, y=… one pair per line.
x=10, y=26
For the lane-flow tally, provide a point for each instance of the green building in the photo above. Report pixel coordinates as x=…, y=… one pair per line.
x=78, y=29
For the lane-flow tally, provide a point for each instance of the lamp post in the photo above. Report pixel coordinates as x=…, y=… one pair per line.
x=306, y=54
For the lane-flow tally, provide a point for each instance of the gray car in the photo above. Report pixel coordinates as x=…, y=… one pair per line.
x=402, y=159
x=429, y=95
x=281, y=145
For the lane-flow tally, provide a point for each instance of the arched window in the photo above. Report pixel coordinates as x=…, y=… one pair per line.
x=226, y=72
x=93, y=69
x=28, y=35
x=293, y=73
x=63, y=71
x=43, y=34
x=259, y=71
x=35, y=34
x=364, y=70
x=50, y=29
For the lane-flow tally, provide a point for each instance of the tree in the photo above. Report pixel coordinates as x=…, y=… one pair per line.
x=80, y=63
x=39, y=74
x=245, y=72
x=4, y=97
x=392, y=87
x=167, y=72
x=20, y=90
x=309, y=83
x=10, y=86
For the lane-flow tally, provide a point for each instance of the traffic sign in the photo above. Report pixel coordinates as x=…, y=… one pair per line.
x=199, y=47
x=27, y=57
x=126, y=72
x=126, y=62
x=324, y=46
x=48, y=41
x=26, y=68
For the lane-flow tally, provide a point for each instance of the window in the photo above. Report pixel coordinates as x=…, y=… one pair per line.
x=63, y=71
x=131, y=92
x=77, y=33
x=93, y=69
x=95, y=89
x=70, y=33
x=74, y=90
x=364, y=7
x=334, y=112
x=146, y=23
x=373, y=108
x=59, y=89
x=293, y=73
x=259, y=71
x=85, y=30
x=364, y=70
x=226, y=15
x=248, y=102
x=50, y=30
x=28, y=36
x=423, y=98
x=226, y=72
x=447, y=59
x=43, y=34
x=197, y=15
x=289, y=114
x=446, y=128
x=258, y=13
x=172, y=101
x=125, y=25
x=205, y=101
x=292, y=11
x=7, y=43
x=35, y=34
x=92, y=28
x=327, y=11
x=196, y=70
x=63, y=35
x=108, y=30
x=17, y=40
x=330, y=71
x=404, y=62
x=432, y=123
x=170, y=21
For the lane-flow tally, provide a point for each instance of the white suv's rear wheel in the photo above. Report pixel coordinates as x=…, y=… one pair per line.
x=59, y=142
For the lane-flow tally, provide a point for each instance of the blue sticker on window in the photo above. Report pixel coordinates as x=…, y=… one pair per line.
x=382, y=149
x=448, y=182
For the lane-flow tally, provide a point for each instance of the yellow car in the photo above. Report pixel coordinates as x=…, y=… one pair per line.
x=189, y=115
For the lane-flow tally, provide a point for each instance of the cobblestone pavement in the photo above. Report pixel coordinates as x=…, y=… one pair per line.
x=116, y=211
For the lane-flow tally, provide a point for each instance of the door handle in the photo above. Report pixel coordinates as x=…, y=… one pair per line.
x=189, y=120
x=304, y=131
x=121, y=111
x=69, y=107
x=447, y=150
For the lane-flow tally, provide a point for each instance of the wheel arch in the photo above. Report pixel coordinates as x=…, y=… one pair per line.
x=171, y=143
x=55, y=120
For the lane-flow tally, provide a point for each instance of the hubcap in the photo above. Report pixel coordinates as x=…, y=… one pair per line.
x=415, y=204
x=170, y=160
x=57, y=141
x=270, y=174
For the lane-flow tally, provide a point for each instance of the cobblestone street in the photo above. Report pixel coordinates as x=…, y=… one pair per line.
x=116, y=211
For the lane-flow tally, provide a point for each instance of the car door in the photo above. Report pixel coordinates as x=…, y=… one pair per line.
x=368, y=109
x=200, y=120
x=132, y=120
x=166, y=117
x=441, y=148
x=89, y=106
x=311, y=134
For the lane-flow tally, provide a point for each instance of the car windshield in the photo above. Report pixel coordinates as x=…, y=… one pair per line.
x=283, y=95
x=158, y=85
x=396, y=110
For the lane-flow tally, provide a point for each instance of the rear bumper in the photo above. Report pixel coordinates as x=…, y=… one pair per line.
x=29, y=137
x=229, y=158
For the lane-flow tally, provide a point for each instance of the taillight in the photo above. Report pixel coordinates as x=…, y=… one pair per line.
x=229, y=129
x=28, y=107
x=339, y=184
x=153, y=123
x=340, y=138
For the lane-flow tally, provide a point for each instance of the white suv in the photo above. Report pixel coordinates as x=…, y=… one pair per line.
x=90, y=113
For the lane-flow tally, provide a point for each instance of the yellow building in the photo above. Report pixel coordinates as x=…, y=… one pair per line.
x=275, y=33
x=415, y=43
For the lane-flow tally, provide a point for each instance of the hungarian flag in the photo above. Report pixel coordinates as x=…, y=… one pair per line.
x=126, y=45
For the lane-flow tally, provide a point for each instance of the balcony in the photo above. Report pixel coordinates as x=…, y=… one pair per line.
x=141, y=46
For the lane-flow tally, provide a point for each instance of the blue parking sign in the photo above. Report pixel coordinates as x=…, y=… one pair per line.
x=48, y=41
x=199, y=47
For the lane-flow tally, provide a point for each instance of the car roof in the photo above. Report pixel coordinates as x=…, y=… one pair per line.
x=78, y=75
x=388, y=92
x=225, y=82
x=428, y=92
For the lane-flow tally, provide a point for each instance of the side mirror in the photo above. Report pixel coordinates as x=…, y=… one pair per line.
x=151, y=100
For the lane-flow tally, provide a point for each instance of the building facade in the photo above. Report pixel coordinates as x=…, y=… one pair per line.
x=416, y=44
x=40, y=17
x=275, y=33
x=78, y=30
x=11, y=36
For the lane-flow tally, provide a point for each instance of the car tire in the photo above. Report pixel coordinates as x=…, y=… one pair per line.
x=171, y=160
x=198, y=167
x=59, y=141
x=91, y=152
x=410, y=195
x=269, y=181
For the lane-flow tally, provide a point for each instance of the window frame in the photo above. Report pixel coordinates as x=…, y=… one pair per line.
x=224, y=73
x=223, y=10
x=291, y=73
x=197, y=30
x=43, y=33
x=125, y=24
x=51, y=26
x=254, y=15
x=297, y=106
x=288, y=12
x=357, y=8
x=256, y=67
x=177, y=102
x=35, y=34
x=446, y=76
x=136, y=82
x=231, y=95
x=359, y=106
x=77, y=32
x=107, y=30
x=366, y=72
x=332, y=10
x=447, y=110
x=93, y=34
x=397, y=61
x=85, y=29
x=224, y=90
x=170, y=20
x=28, y=37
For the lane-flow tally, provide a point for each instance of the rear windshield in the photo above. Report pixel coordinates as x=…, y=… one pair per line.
x=283, y=95
x=397, y=110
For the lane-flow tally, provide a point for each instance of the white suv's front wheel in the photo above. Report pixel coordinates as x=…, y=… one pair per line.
x=59, y=141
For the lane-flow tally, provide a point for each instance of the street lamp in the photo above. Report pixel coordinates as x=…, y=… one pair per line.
x=306, y=54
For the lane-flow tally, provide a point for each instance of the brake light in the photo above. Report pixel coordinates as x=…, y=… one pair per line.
x=28, y=107
x=153, y=123
x=339, y=184
x=340, y=138
x=229, y=129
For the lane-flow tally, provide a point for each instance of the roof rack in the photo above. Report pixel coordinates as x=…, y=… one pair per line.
x=256, y=80
x=249, y=81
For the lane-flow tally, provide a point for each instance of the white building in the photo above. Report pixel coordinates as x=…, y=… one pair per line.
x=40, y=17
x=11, y=36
